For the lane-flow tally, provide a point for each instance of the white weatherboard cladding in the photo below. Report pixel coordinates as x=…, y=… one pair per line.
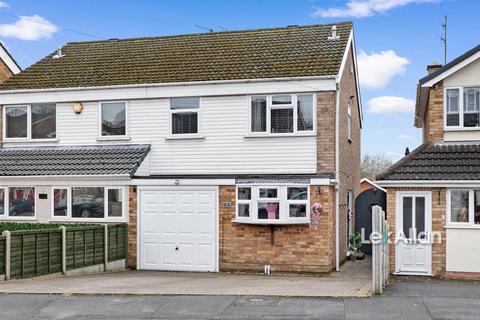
x=224, y=148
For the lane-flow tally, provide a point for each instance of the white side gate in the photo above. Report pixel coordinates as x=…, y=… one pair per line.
x=380, y=250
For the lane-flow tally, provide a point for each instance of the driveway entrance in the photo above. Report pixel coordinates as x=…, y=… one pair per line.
x=354, y=279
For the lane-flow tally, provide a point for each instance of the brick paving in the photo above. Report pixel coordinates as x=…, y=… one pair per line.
x=353, y=280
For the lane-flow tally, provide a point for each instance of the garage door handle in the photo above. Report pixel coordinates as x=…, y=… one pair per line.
x=176, y=248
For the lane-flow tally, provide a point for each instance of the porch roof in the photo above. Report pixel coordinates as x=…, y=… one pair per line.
x=437, y=161
x=72, y=160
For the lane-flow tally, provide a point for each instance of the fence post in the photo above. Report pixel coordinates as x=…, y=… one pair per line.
x=63, y=229
x=105, y=253
x=8, y=251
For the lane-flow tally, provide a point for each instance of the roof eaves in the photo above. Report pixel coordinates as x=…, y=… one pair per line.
x=449, y=65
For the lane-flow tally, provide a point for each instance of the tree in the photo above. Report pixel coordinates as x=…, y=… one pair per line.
x=374, y=164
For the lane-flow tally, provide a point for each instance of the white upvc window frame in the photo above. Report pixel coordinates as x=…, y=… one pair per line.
x=349, y=123
x=28, y=138
x=106, y=218
x=6, y=213
x=199, y=134
x=270, y=106
x=126, y=136
x=282, y=199
x=461, y=110
x=471, y=209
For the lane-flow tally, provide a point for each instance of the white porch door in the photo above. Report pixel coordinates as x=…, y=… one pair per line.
x=414, y=218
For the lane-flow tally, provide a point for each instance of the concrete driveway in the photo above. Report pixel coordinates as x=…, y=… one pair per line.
x=353, y=281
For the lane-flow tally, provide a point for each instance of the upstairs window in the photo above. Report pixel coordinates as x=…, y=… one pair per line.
x=452, y=105
x=462, y=107
x=113, y=119
x=34, y=122
x=282, y=114
x=185, y=118
x=471, y=107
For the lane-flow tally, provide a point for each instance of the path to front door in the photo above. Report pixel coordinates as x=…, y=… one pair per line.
x=414, y=219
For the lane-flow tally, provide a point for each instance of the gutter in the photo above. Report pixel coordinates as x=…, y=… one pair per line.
x=337, y=177
x=428, y=183
x=169, y=84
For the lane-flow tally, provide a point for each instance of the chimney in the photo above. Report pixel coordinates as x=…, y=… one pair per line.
x=334, y=34
x=434, y=66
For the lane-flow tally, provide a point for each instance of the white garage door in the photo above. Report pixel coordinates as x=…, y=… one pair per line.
x=178, y=230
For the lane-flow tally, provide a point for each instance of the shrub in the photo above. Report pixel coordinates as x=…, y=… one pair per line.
x=20, y=226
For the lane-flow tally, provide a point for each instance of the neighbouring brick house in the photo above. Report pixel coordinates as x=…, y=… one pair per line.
x=436, y=187
x=214, y=147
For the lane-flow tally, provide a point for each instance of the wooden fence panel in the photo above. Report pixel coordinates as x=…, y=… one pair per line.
x=35, y=253
x=2, y=255
x=38, y=252
x=117, y=242
x=85, y=247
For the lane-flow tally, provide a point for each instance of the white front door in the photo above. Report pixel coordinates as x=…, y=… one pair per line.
x=414, y=219
x=178, y=229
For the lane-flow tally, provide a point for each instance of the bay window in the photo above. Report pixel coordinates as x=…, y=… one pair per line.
x=272, y=204
x=87, y=203
x=282, y=114
x=30, y=122
x=463, y=207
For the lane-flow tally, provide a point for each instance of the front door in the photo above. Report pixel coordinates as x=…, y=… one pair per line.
x=414, y=219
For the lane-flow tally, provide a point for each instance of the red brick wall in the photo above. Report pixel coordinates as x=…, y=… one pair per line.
x=287, y=248
x=433, y=121
x=326, y=132
x=349, y=151
x=132, y=227
x=438, y=225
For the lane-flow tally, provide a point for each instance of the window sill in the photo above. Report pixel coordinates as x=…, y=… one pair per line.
x=466, y=226
x=450, y=129
x=279, y=135
x=19, y=140
x=272, y=222
x=86, y=220
x=113, y=138
x=185, y=137
x=5, y=218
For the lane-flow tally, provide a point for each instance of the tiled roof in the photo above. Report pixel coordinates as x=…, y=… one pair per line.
x=72, y=160
x=294, y=51
x=437, y=161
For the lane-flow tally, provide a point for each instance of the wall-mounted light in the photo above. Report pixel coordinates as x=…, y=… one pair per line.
x=78, y=107
x=176, y=182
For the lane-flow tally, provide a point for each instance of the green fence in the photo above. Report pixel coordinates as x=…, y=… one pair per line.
x=39, y=252
x=2, y=255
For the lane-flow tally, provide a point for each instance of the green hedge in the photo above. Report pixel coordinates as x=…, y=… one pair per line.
x=21, y=226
